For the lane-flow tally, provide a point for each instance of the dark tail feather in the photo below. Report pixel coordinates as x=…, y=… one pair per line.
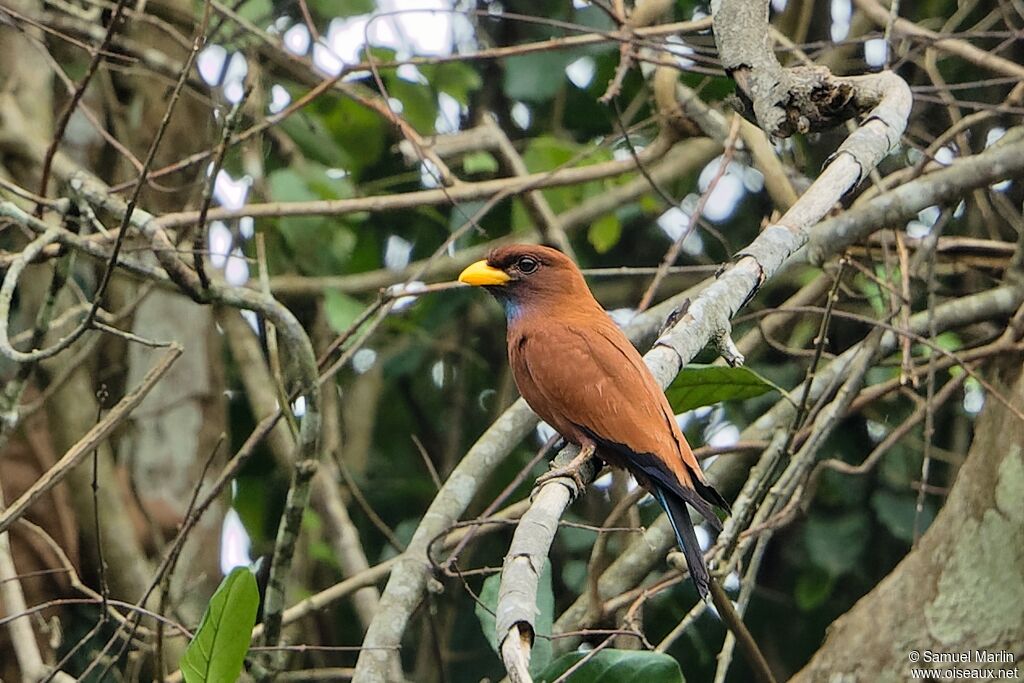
x=679, y=517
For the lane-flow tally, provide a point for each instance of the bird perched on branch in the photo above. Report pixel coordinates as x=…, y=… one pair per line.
x=582, y=376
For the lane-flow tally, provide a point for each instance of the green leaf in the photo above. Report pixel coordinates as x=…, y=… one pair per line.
x=704, y=385
x=455, y=78
x=217, y=651
x=612, y=666
x=479, y=162
x=536, y=77
x=836, y=545
x=897, y=511
x=341, y=309
x=259, y=12
x=488, y=603
x=486, y=607
x=813, y=587
x=604, y=233
x=315, y=141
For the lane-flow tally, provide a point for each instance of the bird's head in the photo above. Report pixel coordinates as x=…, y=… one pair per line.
x=523, y=276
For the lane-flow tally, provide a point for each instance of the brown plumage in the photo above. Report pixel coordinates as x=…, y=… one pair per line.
x=582, y=376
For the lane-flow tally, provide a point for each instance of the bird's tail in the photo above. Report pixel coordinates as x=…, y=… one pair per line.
x=679, y=517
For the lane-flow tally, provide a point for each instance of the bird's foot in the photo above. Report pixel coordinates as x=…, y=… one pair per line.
x=570, y=471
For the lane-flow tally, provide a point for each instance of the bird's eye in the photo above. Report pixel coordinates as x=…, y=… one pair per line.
x=527, y=264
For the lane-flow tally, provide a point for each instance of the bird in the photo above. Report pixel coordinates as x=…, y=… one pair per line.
x=581, y=375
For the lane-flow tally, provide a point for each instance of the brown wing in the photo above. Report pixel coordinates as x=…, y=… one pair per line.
x=585, y=373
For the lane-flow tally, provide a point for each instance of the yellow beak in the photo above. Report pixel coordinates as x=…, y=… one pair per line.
x=480, y=274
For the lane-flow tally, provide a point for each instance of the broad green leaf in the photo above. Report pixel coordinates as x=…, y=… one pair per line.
x=604, y=233
x=897, y=511
x=813, y=586
x=704, y=385
x=836, y=545
x=536, y=77
x=341, y=309
x=613, y=666
x=315, y=141
x=479, y=162
x=217, y=651
x=330, y=9
x=455, y=78
x=259, y=12
x=485, y=608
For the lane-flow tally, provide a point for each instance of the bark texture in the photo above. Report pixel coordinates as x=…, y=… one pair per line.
x=962, y=588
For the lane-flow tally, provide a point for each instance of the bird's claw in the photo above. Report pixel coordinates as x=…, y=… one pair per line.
x=568, y=471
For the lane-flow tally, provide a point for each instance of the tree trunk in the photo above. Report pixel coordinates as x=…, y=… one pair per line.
x=961, y=590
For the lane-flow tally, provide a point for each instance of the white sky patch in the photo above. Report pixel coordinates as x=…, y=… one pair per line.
x=580, y=4
x=496, y=9
x=841, y=14
x=279, y=99
x=464, y=34
x=410, y=73
x=724, y=198
x=345, y=38
x=945, y=155
x=425, y=32
x=545, y=432
x=674, y=222
x=604, y=481
x=732, y=582
x=993, y=135
x=991, y=138
x=219, y=239
x=726, y=435
x=974, y=397
x=876, y=52
x=581, y=72
x=397, y=251
x=236, y=270
x=234, y=543
x=917, y=230
x=708, y=173
x=622, y=316
x=325, y=60
x=429, y=175
x=396, y=105
x=234, y=91
x=449, y=113
x=404, y=302
x=299, y=406
x=237, y=69
x=959, y=210
x=521, y=115
x=753, y=180
x=703, y=537
x=210, y=63
x=251, y=318
x=437, y=374
x=363, y=360
x=336, y=173
x=876, y=431
x=297, y=39
x=246, y=227
x=779, y=5
x=929, y=215
x=229, y=192
x=680, y=50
